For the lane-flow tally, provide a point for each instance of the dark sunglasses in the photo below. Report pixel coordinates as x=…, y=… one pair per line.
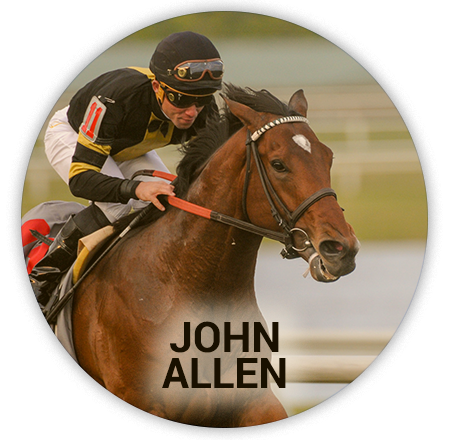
x=196, y=70
x=181, y=100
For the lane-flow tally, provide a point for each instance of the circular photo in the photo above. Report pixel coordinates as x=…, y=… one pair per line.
x=224, y=219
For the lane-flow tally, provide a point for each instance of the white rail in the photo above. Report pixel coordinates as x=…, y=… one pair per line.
x=334, y=343
x=329, y=357
x=324, y=369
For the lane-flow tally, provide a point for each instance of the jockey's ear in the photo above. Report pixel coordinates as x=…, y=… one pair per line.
x=159, y=92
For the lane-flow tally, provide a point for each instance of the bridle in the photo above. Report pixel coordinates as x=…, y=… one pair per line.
x=289, y=219
x=287, y=236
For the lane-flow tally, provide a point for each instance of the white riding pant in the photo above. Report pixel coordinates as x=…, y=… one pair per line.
x=60, y=141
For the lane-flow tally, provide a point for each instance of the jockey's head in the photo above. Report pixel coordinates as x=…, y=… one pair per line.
x=187, y=68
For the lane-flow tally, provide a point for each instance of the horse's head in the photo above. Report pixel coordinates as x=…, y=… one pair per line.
x=289, y=188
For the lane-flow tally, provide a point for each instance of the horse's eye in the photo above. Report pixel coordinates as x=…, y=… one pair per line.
x=278, y=166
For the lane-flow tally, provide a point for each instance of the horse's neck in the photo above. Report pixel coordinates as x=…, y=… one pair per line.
x=220, y=185
x=224, y=255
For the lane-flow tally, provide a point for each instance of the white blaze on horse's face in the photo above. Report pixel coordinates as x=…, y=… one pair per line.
x=301, y=141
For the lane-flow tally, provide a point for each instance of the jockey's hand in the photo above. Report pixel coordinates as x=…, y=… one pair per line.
x=148, y=192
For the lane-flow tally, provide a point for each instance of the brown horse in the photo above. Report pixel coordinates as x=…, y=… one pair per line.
x=183, y=271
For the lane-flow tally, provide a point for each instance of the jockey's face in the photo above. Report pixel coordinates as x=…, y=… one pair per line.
x=182, y=118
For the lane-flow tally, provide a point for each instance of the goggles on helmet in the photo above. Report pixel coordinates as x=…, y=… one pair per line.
x=183, y=100
x=196, y=70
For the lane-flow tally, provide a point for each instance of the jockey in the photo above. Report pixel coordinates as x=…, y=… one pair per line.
x=110, y=130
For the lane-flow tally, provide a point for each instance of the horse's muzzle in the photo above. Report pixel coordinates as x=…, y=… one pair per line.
x=331, y=261
x=339, y=258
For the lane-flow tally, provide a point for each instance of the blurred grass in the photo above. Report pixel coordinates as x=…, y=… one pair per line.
x=387, y=207
x=58, y=191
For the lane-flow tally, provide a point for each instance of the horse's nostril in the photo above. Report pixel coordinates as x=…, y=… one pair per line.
x=331, y=248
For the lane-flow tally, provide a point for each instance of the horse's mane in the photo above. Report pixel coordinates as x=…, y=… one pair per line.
x=219, y=126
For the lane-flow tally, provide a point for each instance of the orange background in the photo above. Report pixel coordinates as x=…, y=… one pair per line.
x=393, y=403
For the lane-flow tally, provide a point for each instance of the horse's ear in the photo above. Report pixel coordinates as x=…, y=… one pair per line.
x=299, y=103
x=248, y=116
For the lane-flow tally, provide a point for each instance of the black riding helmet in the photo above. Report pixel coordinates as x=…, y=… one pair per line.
x=188, y=63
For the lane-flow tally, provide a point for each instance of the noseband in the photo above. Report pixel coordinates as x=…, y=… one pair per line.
x=288, y=220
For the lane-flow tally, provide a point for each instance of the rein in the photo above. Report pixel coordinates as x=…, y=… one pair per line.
x=208, y=213
x=285, y=237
